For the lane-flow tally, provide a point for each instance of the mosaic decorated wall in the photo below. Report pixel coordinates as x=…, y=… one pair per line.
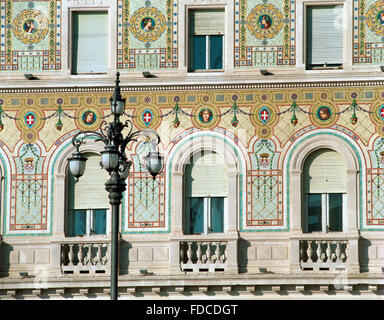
x=147, y=34
x=368, y=35
x=30, y=35
x=261, y=125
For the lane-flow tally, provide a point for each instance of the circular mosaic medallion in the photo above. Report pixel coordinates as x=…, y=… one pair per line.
x=146, y=117
x=205, y=117
x=147, y=24
x=264, y=132
x=265, y=21
x=29, y=119
x=29, y=136
x=375, y=18
x=30, y=26
x=88, y=119
x=323, y=115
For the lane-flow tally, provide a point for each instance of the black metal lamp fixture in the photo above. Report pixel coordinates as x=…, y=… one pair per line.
x=114, y=160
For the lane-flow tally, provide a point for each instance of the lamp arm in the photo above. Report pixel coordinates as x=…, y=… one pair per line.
x=78, y=138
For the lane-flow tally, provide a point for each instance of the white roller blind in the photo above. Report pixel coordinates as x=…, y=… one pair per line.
x=89, y=192
x=90, y=42
x=206, y=22
x=324, y=35
x=325, y=172
x=206, y=176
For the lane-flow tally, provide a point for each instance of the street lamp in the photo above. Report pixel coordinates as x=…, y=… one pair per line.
x=113, y=159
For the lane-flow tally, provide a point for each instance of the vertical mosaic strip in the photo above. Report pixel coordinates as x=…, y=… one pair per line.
x=368, y=31
x=147, y=36
x=264, y=198
x=30, y=35
x=29, y=192
x=264, y=33
x=375, y=190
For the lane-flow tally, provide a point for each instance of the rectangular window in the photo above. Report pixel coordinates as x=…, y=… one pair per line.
x=324, y=37
x=325, y=212
x=84, y=222
x=89, y=42
x=206, y=34
x=206, y=215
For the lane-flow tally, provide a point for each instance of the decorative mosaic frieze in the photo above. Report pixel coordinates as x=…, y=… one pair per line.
x=147, y=35
x=264, y=33
x=30, y=35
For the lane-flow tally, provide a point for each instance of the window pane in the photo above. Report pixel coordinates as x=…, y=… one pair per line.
x=217, y=214
x=199, y=51
x=215, y=52
x=99, y=221
x=314, y=212
x=77, y=222
x=335, y=212
x=196, y=218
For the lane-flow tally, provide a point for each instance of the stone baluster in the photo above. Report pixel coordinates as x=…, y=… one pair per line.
x=70, y=255
x=338, y=251
x=344, y=253
x=189, y=252
x=63, y=254
x=328, y=251
x=222, y=254
x=99, y=253
x=89, y=254
x=208, y=252
x=182, y=252
x=309, y=251
x=106, y=256
x=198, y=252
x=217, y=252
x=80, y=255
x=318, y=250
x=301, y=251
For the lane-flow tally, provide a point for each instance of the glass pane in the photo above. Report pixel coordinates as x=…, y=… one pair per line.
x=199, y=51
x=77, y=222
x=217, y=214
x=216, y=52
x=335, y=212
x=99, y=221
x=314, y=212
x=196, y=218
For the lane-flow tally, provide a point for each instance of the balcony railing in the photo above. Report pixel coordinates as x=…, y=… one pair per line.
x=323, y=255
x=200, y=256
x=85, y=257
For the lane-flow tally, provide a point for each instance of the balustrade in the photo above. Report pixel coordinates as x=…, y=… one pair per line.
x=323, y=254
x=200, y=256
x=85, y=257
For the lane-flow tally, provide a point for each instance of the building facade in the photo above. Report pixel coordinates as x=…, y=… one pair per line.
x=271, y=119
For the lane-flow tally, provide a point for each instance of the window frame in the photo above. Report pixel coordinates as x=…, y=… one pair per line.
x=207, y=215
x=90, y=223
x=71, y=12
x=324, y=214
x=301, y=36
x=188, y=40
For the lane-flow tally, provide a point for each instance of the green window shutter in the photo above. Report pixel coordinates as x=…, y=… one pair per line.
x=89, y=192
x=325, y=172
x=90, y=42
x=324, y=35
x=206, y=176
x=206, y=22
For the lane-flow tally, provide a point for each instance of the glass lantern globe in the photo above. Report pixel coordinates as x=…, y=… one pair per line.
x=77, y=165
x=154, y=163
x=109, y=158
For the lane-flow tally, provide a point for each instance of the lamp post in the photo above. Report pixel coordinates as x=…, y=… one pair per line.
x=113, y=159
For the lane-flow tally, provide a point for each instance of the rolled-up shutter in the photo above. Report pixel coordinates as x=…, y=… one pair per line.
x=89, y=192
x=206, y=22
x=90, y=42
x=324, y=35
x=206, y=176
x=325, y=172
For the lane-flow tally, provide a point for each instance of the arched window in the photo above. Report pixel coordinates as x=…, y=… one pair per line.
x=325, y=189
x=205, y=193
x=87, y=201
